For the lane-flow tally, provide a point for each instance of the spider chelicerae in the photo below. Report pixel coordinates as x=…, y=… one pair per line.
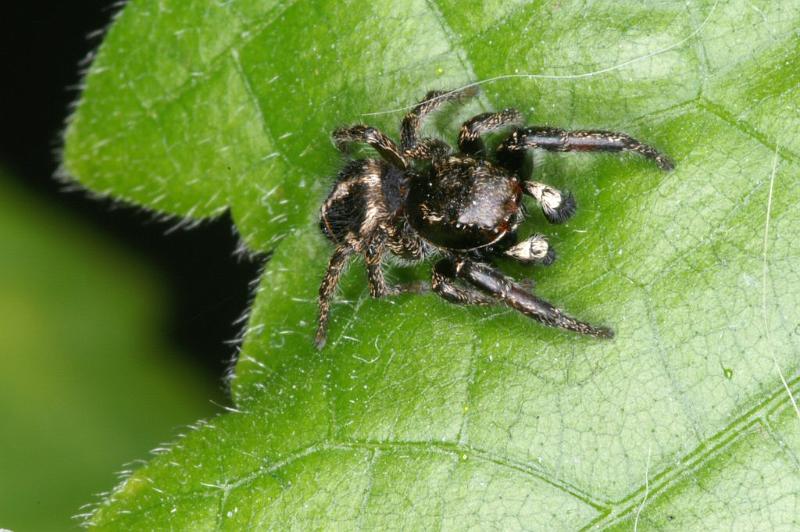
x=421, y=199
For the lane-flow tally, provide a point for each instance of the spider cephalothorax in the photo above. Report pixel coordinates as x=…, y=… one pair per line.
x=421, y=198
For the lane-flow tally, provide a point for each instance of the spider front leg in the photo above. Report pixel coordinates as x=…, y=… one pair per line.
x=442, y=284
x=385, y=146
x=412, y=123
x=469, y=138
x=512, y=151
x=495, y=284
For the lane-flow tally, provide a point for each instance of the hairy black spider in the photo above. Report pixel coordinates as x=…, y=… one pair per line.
x=421, y=199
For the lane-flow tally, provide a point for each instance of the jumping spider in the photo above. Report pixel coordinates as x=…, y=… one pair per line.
x=421, y=199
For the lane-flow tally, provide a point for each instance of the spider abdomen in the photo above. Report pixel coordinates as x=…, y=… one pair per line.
x=464, y=203
x=367, y=194
x=342, y=215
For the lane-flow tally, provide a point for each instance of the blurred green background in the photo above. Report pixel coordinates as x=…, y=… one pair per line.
x=113, y=328
x=87, y=382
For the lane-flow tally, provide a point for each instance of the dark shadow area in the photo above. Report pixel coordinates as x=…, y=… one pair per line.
x=42, y=46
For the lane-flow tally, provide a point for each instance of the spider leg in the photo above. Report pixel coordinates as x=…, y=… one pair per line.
x=512, y=150
x=405, y=243
x=342, y=137
x=490, y=281
x=373, y=257
x=428, y=149
x=442, y=284
x=412, y=122
x=557, y=206
x=535, y=249
x=378, y=287
x=336, y=265
x=469, y=138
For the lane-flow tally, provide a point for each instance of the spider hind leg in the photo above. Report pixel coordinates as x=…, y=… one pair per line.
x=336, y=266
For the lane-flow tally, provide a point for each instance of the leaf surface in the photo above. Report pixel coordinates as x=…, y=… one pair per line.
x=422, y=414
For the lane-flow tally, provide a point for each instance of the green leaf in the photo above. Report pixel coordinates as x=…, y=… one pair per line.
x=420, y=414
x=86, y=380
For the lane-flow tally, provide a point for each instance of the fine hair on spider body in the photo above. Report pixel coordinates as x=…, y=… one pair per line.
x=423, y=198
